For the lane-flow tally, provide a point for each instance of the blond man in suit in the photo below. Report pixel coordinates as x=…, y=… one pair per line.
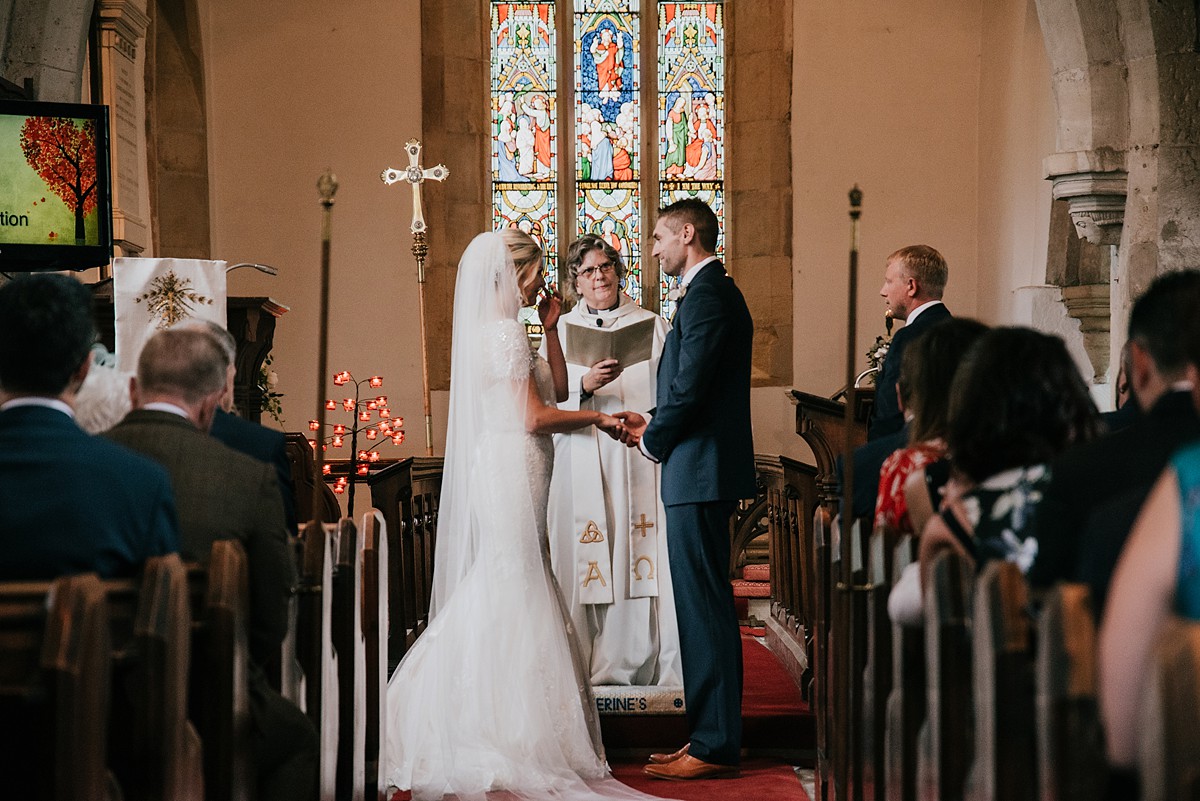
x=223, y=494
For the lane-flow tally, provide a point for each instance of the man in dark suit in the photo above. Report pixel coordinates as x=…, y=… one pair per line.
x=700, y=432
x=223, y=494
x=69, y=502
x=1097, y=489
x=913, y=282
x=257, y=442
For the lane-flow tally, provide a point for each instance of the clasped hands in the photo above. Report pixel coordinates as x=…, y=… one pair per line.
x=626, y=427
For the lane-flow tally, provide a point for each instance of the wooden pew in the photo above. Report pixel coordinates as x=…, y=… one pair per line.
x=877, y=675
x=375, y=629
x=55, y=680
x=408, y=493
x=300, y=454
x=1071, y=761
x=1169, y=751
x=220, y=699
x=346, y=611
x=945, y=739
x=157, y=751
x=314, y=646
x=906, y=702
x=822, y=592
x=1005, y=750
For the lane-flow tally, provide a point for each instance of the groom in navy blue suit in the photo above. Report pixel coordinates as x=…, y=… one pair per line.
x=700, y=432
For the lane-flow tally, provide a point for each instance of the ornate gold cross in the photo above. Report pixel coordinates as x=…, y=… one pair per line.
x=416, y=175
x=642, y=526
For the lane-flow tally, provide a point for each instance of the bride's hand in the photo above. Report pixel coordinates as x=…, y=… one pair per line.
x=550, y=308
x=610, y=425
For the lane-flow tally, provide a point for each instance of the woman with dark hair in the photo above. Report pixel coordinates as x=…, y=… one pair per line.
x=926, y=371
x=1017, y=401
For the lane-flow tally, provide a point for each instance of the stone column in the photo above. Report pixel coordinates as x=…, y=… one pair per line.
x=122, y=82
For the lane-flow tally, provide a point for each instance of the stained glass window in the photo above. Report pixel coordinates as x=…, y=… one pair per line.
x=616, y=161
x=691, y=110
x=525, y=122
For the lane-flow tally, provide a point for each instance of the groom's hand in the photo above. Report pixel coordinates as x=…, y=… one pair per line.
x=634, y=426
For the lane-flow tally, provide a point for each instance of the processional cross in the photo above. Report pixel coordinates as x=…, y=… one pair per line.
x=416, y=175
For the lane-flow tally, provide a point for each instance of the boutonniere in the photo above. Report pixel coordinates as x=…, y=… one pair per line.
x=675, y=294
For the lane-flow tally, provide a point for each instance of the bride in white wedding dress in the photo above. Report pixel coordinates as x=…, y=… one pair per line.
x=494, y=695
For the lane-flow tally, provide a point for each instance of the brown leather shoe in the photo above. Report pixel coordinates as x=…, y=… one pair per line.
x=662, y=759
x=687, y=768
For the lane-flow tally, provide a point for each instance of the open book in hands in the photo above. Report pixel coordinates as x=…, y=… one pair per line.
x=629, y=345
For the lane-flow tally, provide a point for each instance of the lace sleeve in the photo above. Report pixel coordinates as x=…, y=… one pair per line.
x=506, y=351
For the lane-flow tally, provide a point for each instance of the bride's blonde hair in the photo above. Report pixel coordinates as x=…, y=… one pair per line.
x=525, y=251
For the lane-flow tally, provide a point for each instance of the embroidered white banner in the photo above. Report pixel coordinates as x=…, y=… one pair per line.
x=149, y=294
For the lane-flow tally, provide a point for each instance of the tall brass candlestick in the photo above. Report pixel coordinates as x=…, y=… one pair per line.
x=851, y=393
x=327, y=185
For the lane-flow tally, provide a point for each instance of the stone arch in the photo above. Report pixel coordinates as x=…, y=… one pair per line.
x=1125, y=78
x=46, y=42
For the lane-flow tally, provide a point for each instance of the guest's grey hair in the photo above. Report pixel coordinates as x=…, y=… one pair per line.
x=185, y=362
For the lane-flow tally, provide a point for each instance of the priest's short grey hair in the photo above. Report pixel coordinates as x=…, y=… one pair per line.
x=578, y=251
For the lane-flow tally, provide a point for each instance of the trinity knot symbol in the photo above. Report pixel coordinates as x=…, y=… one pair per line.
x=642, y=527
x=171, y=299
x=637, y=574
x=594, y=574
x=591, y=534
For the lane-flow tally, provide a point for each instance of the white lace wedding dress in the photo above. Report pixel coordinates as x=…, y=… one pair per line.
x=494, y=695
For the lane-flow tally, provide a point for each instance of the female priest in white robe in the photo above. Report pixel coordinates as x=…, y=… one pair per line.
x=494, y=696
x=608, y=539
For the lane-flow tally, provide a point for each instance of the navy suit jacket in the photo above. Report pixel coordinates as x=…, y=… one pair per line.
x=1096, y=491
x=886, y=417
x=265, y=445
x=701, y=430
x=73, y=503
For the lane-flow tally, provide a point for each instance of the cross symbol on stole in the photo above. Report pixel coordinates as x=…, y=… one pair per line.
x=415, y=175
x=643, y=526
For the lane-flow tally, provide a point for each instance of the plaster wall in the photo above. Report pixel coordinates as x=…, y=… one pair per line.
x=294, y=87
x=886, y=96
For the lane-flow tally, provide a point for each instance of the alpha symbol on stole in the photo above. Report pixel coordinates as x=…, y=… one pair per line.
x=591, y=534
x=594, y=574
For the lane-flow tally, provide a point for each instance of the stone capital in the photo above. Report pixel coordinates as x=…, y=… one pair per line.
x=128, y=18
x=1094, y=185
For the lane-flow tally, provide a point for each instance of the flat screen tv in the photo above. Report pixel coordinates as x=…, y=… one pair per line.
x=55, y=190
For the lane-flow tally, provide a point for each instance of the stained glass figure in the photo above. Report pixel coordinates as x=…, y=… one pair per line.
x=611, y=212
x=691, y=90
x=534, y=211
x=715, y=198
x=523, y=93
x=606, y=93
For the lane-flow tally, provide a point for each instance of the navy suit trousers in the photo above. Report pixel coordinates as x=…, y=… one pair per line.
x=709, y=638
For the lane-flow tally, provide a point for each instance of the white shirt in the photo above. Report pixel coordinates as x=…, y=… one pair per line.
x=912, y=315
x=170, y=408
x=47, y=403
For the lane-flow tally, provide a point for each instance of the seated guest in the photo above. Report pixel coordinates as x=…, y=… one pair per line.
x=104, y=397
x=223, y=494
x=69, y=502
x=1128, y=409
x=1017, y=401
x=1155, y=577
x=1098, y=488
x=252, y=439
x=924, y=390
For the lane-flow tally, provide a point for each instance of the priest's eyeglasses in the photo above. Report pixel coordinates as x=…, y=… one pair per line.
x=597, y=271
